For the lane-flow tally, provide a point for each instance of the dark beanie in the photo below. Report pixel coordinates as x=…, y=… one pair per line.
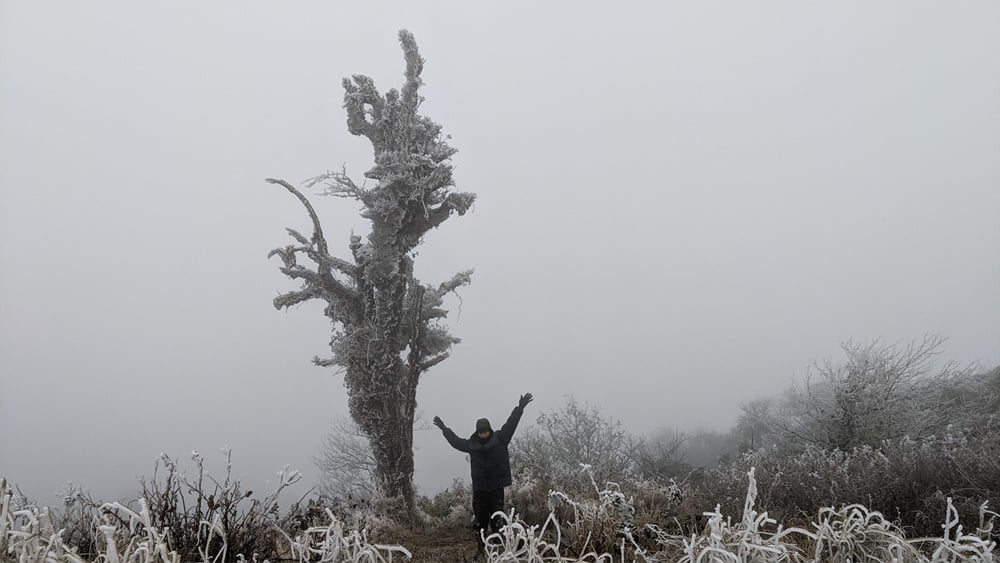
x=483, y=425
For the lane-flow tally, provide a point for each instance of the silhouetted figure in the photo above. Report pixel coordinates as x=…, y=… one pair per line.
x=490, y=463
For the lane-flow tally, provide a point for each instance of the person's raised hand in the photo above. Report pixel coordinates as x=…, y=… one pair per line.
x=438, y=422
x=525, y=399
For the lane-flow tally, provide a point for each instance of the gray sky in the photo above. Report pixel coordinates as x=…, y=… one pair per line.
x=680, y=205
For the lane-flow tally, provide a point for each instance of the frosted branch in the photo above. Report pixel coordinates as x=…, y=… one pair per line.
x=431, y=362
x=286, y=300
x=364, y=107
x=318, y=239
x=297, y=236
x=459, y=279
x=455, y=202
x=339, y=184
x=414, y=66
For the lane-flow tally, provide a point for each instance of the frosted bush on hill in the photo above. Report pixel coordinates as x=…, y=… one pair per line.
x=450, y=507
x=848, y=534
x=553, y=449
x=908, y=480
x=878, y=392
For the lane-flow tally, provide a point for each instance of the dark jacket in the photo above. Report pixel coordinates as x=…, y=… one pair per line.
x=489, y=459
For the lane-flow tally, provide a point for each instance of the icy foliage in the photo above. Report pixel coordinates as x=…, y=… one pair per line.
x=878, y=392
x=562, y=439
x=141, y=541
x=848, y=534
x=851, y=533
x=27, y=535
x=193, y=509
x=335, y=542
x=450, y=507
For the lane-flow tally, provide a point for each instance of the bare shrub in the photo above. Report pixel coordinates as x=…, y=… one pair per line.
x=662, y=456
x=346, y=463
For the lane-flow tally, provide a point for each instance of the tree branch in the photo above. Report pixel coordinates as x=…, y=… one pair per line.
x=457, y=281
x=302, y=273
x=431, y=362
x=339, y=184
x=357, y=95
x=414, y=66
x=318, y=239
x=455, y=202
x=286, y=300
x=318, y=251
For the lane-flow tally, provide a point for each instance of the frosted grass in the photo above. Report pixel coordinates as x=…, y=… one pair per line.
x=849, y=534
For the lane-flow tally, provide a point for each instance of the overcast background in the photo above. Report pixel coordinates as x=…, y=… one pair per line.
x=679, y=207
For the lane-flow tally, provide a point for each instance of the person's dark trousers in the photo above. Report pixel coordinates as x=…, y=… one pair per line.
x=484, y=504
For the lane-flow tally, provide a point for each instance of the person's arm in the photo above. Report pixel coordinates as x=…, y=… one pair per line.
x=456, y=442
x=506, y=432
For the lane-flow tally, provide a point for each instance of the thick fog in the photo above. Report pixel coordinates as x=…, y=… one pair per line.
x=680, y=206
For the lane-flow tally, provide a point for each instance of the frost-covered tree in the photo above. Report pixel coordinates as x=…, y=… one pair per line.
x=386, y=324
x=880, y=392
x=573, y=435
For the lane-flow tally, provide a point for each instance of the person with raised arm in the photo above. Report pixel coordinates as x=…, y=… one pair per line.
x=490, y=464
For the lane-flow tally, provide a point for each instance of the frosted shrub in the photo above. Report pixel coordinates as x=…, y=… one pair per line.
x=601, y=529
x=130, y=536
x=27, y=533
x=595, y=523
x=854, y=533
x=188, y=508
x=588, y=531
x=553, y=450
x=908, y=480
x=518, y=541
x=335, y=543
x=955, y=545
x=450, y=507
x=747, y=540
x=582, y=506
x=177, y=518
x=143, y=542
